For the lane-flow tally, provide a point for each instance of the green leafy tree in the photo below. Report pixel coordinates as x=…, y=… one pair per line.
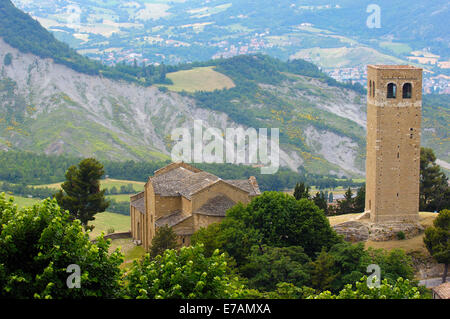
x=359, y=202
x=273, y=219
x=278, y=220
x=343, y=264
x=401, y=289
x=81, y=194
x=301, y=191
x=165, y=238
x=434, y=189
x=208, y=237
x=322, y=272
x=321, y=201
x=286, y=290
x=271, y=265
x=330, y=197
x=236, y=237
x=7, y=60
x=346, y=263
x=437, y=240
x=393, y=264
x=113, y=190
x=346, y=206
x=37, y=245
x=183, y=274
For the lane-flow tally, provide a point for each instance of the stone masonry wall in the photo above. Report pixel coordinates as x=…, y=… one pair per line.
x=393, y=144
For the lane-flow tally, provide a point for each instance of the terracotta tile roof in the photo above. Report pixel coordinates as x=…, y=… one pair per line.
x=181, y=181
x=168, y=184
x=172, y=219
x=137, y=196
x=139, y=204
x=249, y=185
x=216, y=206
x=443, y=290
x=194, y=183
x=174, y=165
x=186, y=182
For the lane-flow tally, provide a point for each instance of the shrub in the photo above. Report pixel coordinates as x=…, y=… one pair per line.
x=400, y=289
x=401, y=235
x=8, y=59
x=186, y=274
x=38, y=244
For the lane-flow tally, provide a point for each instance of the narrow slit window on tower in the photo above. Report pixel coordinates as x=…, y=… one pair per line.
x=370, y=88
x=391, y=91
x=373, y=89
x=407, y=90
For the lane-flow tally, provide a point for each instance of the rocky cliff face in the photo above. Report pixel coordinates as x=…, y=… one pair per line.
x=47, y=107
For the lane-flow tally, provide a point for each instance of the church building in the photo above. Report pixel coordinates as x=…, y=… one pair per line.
x=186, y=199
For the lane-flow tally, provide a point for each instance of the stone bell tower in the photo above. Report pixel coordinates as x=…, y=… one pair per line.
x=394, y=106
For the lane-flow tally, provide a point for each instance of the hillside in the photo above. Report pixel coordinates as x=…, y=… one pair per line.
x=174, y=31
x=20, y=31
x=48, y=107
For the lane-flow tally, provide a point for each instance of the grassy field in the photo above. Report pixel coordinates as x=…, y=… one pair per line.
x=106, y=220
x=397, y=48
x=102, y=222
x=23, y=201
x=199, y=79
x=105, y=183
x=346, y=57
x=129, y=250
x=120, y=197
x=109, y=183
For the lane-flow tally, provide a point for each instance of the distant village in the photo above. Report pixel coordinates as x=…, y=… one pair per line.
x=432, y=83
x=439, y=84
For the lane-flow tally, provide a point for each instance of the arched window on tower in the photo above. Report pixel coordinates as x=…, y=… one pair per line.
x=391, y=91
x=407, y=90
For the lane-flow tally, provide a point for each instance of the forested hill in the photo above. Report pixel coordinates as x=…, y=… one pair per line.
x=260, y=68
x=22, y=32
x=22, y=168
